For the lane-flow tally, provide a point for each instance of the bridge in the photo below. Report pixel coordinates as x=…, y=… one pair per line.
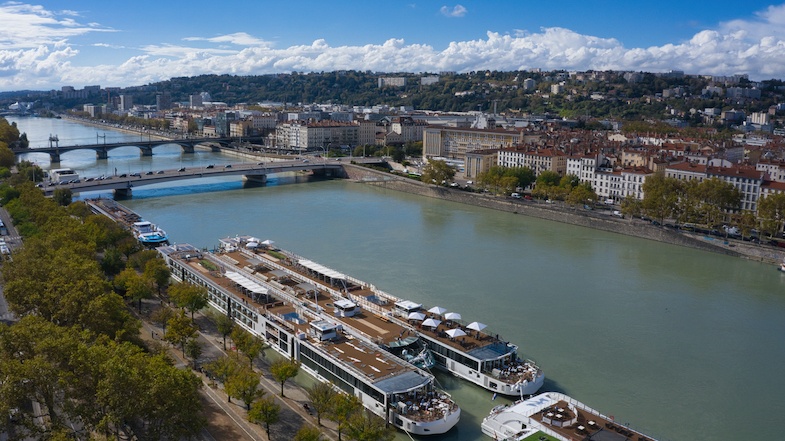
x=258, y=172
x=145, y=147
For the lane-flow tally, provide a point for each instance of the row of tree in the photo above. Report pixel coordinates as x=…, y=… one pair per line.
x=76, y=350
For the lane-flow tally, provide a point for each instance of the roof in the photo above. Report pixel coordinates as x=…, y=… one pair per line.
x=313, y=266
x=246, y=283
x=402, y=382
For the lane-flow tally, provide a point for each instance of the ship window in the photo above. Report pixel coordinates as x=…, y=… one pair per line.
x=494, y=385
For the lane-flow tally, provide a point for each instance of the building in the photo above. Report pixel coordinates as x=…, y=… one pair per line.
x=427, y=81
x=301, y=135
x=454, y=143
x=408, y=128
x=746, y=179
x=195, y=101
x=392, y=82
x=480, y=161
x=126, y=102
x=538, y=160
x=163, y=101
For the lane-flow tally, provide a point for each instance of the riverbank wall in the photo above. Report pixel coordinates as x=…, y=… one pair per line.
x=559, y=212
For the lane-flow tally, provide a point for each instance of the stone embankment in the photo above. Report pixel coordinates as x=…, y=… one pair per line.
x=558, y=212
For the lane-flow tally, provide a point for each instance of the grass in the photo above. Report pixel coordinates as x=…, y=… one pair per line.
x=539, y=436
x=209, y=265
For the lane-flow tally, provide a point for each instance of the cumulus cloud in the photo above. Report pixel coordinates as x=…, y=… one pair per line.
x=38, y=54
x=455, y=11
x=28, y=26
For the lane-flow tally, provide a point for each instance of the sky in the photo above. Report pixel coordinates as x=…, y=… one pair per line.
x=49, y=44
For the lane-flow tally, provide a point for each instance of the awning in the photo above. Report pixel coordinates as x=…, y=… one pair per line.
x=321, y=269
x=246, y=283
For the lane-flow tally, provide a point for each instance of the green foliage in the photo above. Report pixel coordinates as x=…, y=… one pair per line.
x=343, y=408
x=503, y=180
x=224, y=324
x=365, y=426
x=188, y=296
x=771, y=211
x=437, y=172
x=62, y=196
x=266, y=411
x=179, y=330
x=283, y=370
x=308, y=433
x=243, y=382
x=321, y=396
x=250, y=345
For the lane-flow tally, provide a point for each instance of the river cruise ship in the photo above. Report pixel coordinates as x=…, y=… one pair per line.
x=558, y=416
x=334, y=338
x=462, y=348
x=147, y=233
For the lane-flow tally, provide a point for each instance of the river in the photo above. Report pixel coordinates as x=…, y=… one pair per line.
x=680, y=343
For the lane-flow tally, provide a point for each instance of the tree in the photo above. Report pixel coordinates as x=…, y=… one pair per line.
x=112, y=262
x=243, y=383
x=250, y=345
x=188, y=296
x=7, y=157
x=283, y=370
x=308, y=433
x=162, y=316
x=581, y=194
x=771, y=212
x=321, y=395
x=180, y=330
x=436, y=172
x=365, y=426
x=63, y=196
x=661, y=196
x=193, y=349
x=343, y=408
x=224, y=324
x=157, y=271
x=266, y=411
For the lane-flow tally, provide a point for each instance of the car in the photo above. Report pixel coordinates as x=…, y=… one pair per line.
x=123, y=175
x=260, y=163
x=228, y=166
x=305, y=160
x=89, y=179
x=137, y=174
x=210, y=166
x=527, y=197
x=149, y=173
x=181, y=169
x=515, y=195
x=159, y=172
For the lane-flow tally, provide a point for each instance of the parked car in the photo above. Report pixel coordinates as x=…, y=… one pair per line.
x=515, y=195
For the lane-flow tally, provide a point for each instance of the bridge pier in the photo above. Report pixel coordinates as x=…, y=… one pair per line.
x=187, y=148
x=101, y=154
x=146, y=150
x=261, y=179
x=122, y=193
x=54, y=157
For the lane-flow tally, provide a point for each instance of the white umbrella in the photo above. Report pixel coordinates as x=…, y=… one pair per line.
x=477, y=326
x=416, y=316
x=452, y=316
x=457, y=332
x=431, y=322
x=438, y=310
x=268, y=242
x=252, y=245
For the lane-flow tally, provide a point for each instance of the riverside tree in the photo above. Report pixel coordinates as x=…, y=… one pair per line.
x=283, y=370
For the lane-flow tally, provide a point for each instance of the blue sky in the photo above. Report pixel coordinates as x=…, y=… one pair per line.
x=48, y=44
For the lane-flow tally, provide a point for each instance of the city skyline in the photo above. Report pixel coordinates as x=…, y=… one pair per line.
x=49, y=44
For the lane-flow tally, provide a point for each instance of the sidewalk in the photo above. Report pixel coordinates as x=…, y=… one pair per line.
x=228, y=420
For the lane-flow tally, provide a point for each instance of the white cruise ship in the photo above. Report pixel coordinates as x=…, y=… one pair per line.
x=297, y=313
x=557, y=416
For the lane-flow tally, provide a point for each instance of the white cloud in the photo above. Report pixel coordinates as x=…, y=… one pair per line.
x=455, y=11
x=35, y=52
x=238, y=38
x=28, y=26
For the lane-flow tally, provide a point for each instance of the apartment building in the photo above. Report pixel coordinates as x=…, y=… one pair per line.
x=301, y=135
x=538, y=160
x=453, y=143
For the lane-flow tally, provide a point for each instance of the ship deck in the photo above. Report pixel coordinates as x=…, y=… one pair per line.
x=375, y=325
x=373, y=363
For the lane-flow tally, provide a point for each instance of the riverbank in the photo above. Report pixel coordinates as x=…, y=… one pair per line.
x=559, y=212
